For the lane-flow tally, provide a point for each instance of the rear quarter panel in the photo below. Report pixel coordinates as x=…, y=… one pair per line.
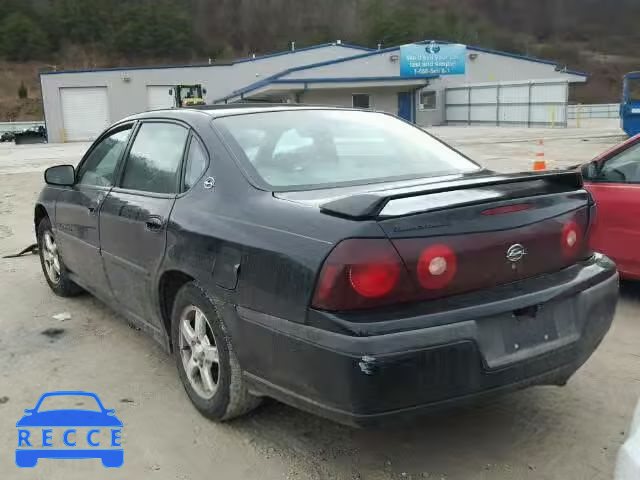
x=249, y=248
x=255, y=251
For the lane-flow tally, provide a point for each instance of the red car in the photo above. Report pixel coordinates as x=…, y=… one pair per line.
x=613, y=179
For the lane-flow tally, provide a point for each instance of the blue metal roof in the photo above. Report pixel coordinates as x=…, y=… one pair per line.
x=217, y=64
x=268, y=80
x=351, y=79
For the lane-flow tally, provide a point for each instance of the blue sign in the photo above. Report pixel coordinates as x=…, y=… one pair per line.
x=36, y=437
x=421, y=60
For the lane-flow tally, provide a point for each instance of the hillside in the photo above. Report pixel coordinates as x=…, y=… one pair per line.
x=38, y=35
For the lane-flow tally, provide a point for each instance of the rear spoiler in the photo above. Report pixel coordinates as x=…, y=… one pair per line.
x=369, y=205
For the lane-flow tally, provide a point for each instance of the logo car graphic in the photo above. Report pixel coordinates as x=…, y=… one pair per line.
x=516, y=252
x=27, y=456
x=432, y=48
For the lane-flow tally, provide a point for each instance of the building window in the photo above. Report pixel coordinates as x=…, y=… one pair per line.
x=428, y=100
x=361, y=100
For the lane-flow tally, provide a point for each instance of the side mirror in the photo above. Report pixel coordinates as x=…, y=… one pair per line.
x=171, y=91
x=28, y=410
x=589, y=171
x=61, y=175
x=204, y=91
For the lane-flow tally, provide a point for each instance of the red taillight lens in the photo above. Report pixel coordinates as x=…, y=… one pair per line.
x=571, y=239
x=437, y=266
x=374, y=280
x=361, y=273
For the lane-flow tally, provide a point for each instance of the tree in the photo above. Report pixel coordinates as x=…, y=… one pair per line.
x=21, y=38
x=159, y=31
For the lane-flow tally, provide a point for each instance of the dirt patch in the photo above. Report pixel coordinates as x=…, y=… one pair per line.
x=53, y=333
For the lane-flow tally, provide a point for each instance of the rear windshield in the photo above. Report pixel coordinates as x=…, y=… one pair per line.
x=306, y=149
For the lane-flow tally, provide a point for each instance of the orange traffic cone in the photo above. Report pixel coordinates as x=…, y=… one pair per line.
x=539, y=163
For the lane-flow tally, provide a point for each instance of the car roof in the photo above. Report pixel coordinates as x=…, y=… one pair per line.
x=224, y=110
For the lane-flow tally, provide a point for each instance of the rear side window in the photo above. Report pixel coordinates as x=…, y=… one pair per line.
x=196, y=163
x=153, y=164
x=100, y=166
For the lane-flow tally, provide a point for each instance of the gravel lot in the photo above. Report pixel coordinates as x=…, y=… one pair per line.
x=572, y=432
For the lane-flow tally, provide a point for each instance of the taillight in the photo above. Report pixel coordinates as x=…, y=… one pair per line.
x=519, y=207
x=437, y=266
x=373, y=280
x=361, y=273
x=571, y=239
x=369, y=273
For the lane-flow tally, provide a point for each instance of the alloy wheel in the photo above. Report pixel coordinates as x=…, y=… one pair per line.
x=199, y=352
x=51, y=257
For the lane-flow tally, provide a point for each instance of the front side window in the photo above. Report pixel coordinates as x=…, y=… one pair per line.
x=306, y=149
x=99, y=168
x=633, y=89
x=153, y=163
x=623, y=168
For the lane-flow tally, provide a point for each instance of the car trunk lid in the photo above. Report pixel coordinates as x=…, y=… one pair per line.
x=474, y=233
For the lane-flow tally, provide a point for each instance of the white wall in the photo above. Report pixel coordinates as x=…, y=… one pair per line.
x=491, y=67
x=428, y=118
x=382, y=99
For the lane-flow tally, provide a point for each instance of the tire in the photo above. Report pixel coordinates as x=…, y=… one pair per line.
x=193, y=348
x=60, y=283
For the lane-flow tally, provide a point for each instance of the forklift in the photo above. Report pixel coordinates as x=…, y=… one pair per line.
x=187, y=95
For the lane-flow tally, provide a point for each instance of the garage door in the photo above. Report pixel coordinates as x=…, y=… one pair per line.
x=85, y=112
x=158, y=97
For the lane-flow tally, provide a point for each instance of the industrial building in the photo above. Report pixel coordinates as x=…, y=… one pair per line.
x=495, y=88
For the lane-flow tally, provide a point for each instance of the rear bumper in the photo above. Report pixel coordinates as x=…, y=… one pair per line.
x=455, y=357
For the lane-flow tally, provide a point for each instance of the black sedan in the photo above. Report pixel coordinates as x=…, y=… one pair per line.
x=341, y=261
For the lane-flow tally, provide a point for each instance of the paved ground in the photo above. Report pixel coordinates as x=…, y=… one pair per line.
x=542, y=433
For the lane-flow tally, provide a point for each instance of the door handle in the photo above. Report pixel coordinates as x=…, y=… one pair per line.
x=154, y=224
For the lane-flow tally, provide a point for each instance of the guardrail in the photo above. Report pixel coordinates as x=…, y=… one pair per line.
x=597, y=110
x=18, y=126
